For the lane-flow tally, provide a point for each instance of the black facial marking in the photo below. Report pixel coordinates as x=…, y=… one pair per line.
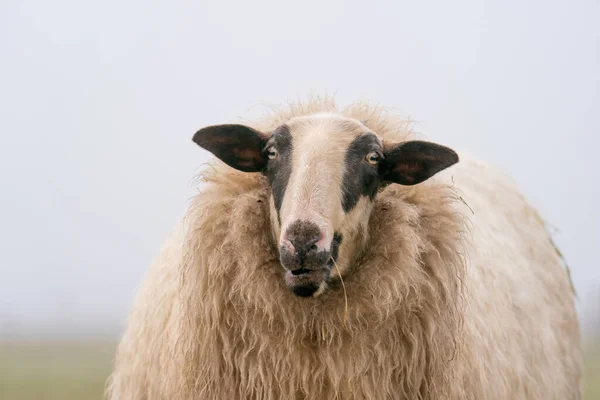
x=280, y=169
x=335, y=247
x=360, y=177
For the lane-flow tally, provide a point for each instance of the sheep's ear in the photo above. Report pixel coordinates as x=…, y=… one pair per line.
x=239, y=146
x=413, y=162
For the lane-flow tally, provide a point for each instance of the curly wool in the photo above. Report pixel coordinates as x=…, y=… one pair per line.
x=426, y=317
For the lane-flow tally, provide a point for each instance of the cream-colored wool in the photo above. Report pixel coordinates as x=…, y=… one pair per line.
x=444, y=303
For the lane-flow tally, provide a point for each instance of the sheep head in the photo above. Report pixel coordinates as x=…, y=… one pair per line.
x=324, y=172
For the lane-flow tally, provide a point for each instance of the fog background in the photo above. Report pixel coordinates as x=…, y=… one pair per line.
x=99, y=101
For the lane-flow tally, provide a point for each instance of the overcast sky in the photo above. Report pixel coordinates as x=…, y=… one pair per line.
x=99, y=101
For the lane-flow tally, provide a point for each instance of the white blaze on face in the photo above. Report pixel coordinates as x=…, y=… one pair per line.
x=314, y=191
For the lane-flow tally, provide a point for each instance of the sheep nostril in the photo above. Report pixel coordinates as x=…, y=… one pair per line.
x=313, y=247
x=286, y=244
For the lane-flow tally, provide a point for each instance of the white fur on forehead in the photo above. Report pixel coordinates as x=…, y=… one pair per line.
x=321, y=115
x=388, y=127
x=337, y=129
x=327, y=116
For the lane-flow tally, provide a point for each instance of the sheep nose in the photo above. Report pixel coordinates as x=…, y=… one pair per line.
x=299, y=244
x=303, y=246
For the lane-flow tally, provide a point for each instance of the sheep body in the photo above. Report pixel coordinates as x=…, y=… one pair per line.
x=460, y=295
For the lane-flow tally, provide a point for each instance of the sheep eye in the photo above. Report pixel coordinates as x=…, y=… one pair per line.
x=372, y=158
x=271, y=153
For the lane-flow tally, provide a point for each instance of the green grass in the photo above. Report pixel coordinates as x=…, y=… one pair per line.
x=78, y=371
x=44, y=371
x=592, y=372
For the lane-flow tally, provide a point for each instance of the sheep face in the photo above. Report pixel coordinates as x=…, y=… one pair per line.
x=324, y=171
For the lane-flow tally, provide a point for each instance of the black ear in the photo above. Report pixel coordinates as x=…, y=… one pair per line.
x=239, y=146
x=410, y=163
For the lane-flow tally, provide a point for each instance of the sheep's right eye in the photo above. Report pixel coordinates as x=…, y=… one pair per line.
x=272, y=153
x=372, y=158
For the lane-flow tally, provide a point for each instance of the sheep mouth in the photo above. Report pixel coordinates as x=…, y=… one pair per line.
x=300, y=271
x=305, y=282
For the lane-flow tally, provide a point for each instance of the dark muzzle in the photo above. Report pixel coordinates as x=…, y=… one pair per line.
x=299, y=252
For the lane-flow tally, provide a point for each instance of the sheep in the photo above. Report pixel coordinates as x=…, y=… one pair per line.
x=333, y=254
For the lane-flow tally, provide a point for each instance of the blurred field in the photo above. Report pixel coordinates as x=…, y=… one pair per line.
x=53, y=371
x=77, y=371
x=592, y=373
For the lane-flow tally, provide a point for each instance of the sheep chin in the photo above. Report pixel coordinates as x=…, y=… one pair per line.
x=309, y=284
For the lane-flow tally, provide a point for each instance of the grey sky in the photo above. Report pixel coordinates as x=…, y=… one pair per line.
x=98, y=103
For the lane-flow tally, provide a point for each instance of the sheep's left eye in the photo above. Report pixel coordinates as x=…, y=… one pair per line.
x=372, y=158
x=272, y=153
